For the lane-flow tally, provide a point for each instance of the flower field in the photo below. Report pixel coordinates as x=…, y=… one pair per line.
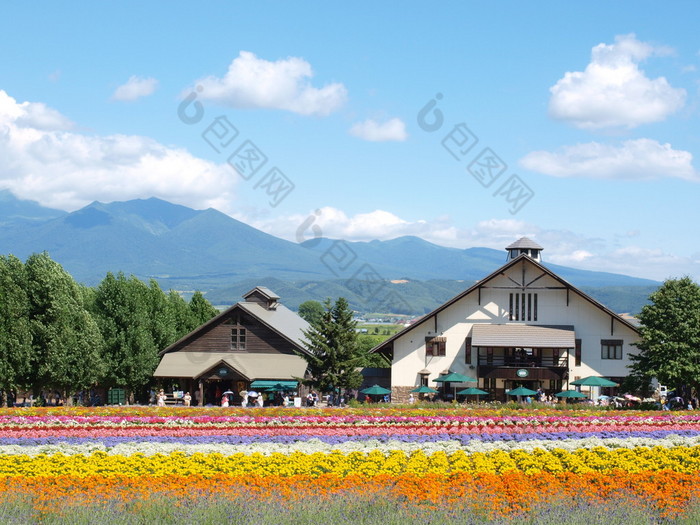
x=485, y=463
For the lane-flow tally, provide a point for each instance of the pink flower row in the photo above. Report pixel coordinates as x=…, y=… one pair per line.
x=184, y=431
x=298, y=421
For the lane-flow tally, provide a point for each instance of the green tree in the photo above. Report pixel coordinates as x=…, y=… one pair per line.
x=333, y=353
x=368, y=359
x=15, y=328
x=202, y=310
x=124, y=309
x=669, y=345
x=311, y=312
x=66, y=341
x=161, y=318
x=188, y=316
x=180, y=312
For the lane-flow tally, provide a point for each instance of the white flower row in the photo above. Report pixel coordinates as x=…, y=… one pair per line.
x=314, y=446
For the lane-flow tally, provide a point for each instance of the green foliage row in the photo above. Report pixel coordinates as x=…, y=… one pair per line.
x=56, y=334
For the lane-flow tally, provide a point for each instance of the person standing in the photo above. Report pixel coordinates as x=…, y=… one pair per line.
x=161, y=398
x=187, y=398
x=224, y=400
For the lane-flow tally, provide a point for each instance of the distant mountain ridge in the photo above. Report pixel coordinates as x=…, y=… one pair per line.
x=13, y=209
x=189, y=249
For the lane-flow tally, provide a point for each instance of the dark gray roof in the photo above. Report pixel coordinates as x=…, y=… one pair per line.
x=524, y=243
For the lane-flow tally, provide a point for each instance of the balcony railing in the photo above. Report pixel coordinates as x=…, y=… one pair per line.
x=523, y=361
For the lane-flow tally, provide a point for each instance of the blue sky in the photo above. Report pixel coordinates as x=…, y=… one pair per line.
x=579, y=121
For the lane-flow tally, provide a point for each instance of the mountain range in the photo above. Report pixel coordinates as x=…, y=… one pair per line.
x=187, y=249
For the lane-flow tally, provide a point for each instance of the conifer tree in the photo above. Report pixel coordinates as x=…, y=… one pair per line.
x=332, y=349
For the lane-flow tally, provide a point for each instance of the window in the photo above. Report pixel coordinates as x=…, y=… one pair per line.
x=522, y=307
x=238, y=338
x=468, y=351
x=611, y=348
x=577, y=353
x=435, y=346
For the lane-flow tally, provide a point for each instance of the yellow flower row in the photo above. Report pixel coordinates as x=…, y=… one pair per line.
x=677, y=459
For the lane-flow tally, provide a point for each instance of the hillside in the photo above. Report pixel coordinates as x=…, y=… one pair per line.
x=188, y=249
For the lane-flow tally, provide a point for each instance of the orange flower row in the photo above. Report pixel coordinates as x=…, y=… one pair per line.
x=666, y=493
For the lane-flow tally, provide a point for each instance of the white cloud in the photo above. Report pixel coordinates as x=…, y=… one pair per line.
x=613, y=91
x=41, y=117
x=577, y=256
x=252, y=82
x=383, y=225
x=562, y=247
x=135, y=88
x=44, y=161
x=391, y=130
x=632, y=160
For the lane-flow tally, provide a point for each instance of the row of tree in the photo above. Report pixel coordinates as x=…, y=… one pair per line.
x=56, y=334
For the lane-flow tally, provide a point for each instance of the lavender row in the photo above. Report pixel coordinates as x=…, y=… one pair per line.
x=463, y=439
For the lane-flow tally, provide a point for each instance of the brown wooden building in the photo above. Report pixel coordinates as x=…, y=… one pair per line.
x=249, y=346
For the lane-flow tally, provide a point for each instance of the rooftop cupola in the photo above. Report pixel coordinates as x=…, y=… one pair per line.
x=525, y=246
x=263, y=296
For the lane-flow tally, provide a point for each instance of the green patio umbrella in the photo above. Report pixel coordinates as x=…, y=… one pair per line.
x=594, y=381
x=571, y=393
x=424, y=390
x=472, y=392
x=521, y=391
x=454, y=377
x=376, y=390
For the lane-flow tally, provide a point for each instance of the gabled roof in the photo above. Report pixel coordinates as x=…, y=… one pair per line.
x=281, y=320
x=264, y=291
x=479, y=284
x=250, y=366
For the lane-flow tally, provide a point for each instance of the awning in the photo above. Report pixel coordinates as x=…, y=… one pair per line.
x=523, y=336
x=263, y=384
x=251, y=366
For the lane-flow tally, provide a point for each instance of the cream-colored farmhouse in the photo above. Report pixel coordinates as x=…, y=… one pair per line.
x=520, y=326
